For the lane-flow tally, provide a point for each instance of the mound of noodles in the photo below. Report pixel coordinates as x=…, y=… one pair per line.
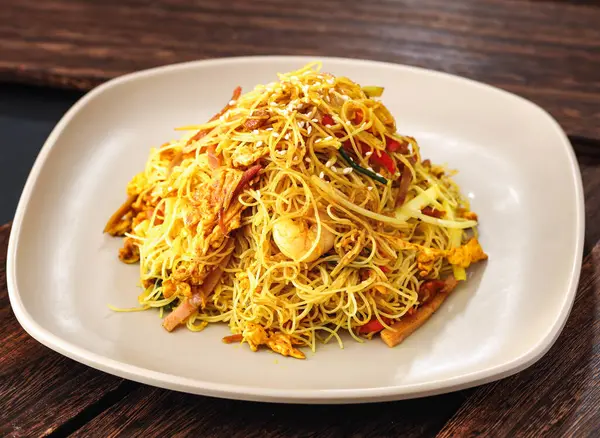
x=295, y=214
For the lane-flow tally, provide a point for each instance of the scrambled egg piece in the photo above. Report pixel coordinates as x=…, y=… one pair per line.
x=137, y=184
x=243, y=280
x=466, y=254
x=463, y=256
x=280, y=343
x=244, y=156
x=255, y=335
x=426, y=259
x=171, y=288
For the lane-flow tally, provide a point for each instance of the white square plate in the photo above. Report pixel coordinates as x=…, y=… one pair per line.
x=515, y=163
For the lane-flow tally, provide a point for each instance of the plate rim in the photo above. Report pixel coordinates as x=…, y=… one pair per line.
x=251, y=393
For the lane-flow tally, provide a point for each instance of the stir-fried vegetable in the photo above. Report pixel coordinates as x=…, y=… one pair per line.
x=343, y=200
x=327, y=120
x=383, y=159
x=360, y=169
x=372, y=326
x=393, y=145
x=372, y=91
x=417, y=203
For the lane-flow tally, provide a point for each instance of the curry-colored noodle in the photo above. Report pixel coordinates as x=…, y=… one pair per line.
x=295, y=214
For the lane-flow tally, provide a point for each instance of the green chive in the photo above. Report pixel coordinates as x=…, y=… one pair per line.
x=360, y=169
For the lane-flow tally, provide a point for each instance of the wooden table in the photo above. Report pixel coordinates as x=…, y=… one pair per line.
x=547, y=51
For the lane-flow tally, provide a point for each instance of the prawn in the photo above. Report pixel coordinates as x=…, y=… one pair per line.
x=298, y=240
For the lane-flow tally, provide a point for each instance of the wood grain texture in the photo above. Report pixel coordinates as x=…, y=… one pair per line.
x=150, y=411
x=547, y=51
x=40, y=390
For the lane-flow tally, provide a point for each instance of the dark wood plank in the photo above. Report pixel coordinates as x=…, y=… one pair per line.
x=150, y=411
x=40, y=390
x=575, y=2
x=548, y=51
x=560, y=395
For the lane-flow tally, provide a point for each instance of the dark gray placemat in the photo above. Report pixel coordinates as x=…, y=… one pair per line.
x=27, y=116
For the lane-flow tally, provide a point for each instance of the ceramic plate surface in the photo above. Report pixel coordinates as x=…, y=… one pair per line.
x=516, y=165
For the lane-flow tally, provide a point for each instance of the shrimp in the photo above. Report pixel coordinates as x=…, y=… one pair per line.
x=295, y=238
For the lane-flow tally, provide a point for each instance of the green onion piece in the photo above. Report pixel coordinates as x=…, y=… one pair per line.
x=360, y=169
x=170, y=306
x=372, y=91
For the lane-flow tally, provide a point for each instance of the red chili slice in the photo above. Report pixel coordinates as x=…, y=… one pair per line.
x=393, y=145
x=358, y=117
x=327, y=120
x=383, y=159
x=372, y=326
